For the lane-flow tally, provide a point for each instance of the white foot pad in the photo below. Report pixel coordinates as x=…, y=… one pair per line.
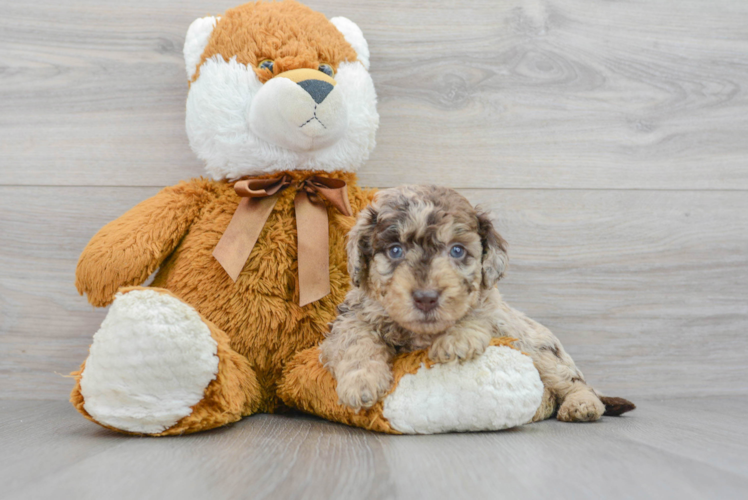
x=499, y=389
x=149, y=364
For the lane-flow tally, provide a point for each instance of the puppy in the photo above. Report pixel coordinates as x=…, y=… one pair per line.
x=424, y=266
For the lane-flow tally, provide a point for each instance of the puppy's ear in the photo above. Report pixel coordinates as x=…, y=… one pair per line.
x=359, y=246
x=495, y=258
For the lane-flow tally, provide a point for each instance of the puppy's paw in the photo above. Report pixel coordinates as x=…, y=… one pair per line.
x=363, y=388
x=450, y=348
x=581, y=406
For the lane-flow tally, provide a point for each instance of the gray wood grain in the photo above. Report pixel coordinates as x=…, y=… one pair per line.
x=476, y=93
x=646, y=289
x=609, y=139
x=687, y=448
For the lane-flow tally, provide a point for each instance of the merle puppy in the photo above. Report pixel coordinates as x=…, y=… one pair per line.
x=424, y=266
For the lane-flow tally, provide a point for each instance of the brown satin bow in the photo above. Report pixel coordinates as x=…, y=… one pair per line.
x=258, y=199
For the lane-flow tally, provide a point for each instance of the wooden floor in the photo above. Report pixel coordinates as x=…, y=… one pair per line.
x=681, y=448
x=609, y=139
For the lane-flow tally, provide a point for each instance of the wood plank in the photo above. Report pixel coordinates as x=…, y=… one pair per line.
x=477, y=93
x=646, y=289
x=39, y=438
x=666, y=449
x=46, y=326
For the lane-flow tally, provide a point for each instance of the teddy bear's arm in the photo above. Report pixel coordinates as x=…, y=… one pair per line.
x=127, y=250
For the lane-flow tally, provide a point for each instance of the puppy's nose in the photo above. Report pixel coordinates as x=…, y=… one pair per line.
x=426, y=300
x=317, y=89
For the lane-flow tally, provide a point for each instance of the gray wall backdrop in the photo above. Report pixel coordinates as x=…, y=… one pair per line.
x=610, y=139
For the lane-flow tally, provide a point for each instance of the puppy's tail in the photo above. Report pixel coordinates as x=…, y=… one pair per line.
x=616, y=406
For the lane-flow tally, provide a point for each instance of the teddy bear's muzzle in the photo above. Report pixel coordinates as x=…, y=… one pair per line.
x=300, y=110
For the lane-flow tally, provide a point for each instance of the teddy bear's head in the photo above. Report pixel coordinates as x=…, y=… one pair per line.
x=277, y=86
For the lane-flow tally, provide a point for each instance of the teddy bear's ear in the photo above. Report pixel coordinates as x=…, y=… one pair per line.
x=197, y=38
x=355, y=37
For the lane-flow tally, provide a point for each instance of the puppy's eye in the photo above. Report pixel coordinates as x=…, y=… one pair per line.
x=326, y=69
x=395, y=252
x=266, y=64
x=457, y=252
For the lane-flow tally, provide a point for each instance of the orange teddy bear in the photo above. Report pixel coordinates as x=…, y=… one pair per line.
x=282, y=109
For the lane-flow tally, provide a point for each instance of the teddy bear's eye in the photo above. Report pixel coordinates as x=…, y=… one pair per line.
x=266, y=64
x=326, y=69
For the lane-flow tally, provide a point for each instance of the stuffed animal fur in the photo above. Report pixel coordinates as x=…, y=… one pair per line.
x=196, y=349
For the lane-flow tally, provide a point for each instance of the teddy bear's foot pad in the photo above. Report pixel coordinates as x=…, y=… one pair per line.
x=498, y=390
x=149, y=364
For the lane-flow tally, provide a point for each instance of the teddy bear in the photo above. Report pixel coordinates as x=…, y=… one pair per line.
x=250, y=261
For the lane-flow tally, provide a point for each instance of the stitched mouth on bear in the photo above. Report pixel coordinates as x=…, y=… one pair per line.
x=314, y=117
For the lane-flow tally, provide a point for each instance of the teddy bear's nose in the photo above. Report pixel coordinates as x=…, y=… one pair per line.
x=317, y=89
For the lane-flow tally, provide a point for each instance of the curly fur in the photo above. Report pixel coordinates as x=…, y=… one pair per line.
x=255, y=322
x=380, y=319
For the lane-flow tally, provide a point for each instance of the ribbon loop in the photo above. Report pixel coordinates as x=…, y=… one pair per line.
x=258, y=199
x=260, y=188
x=334, y=190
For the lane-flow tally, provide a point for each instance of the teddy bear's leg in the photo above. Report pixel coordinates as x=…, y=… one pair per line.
x=157, y=367
x=499, y=389
x=547, y=407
